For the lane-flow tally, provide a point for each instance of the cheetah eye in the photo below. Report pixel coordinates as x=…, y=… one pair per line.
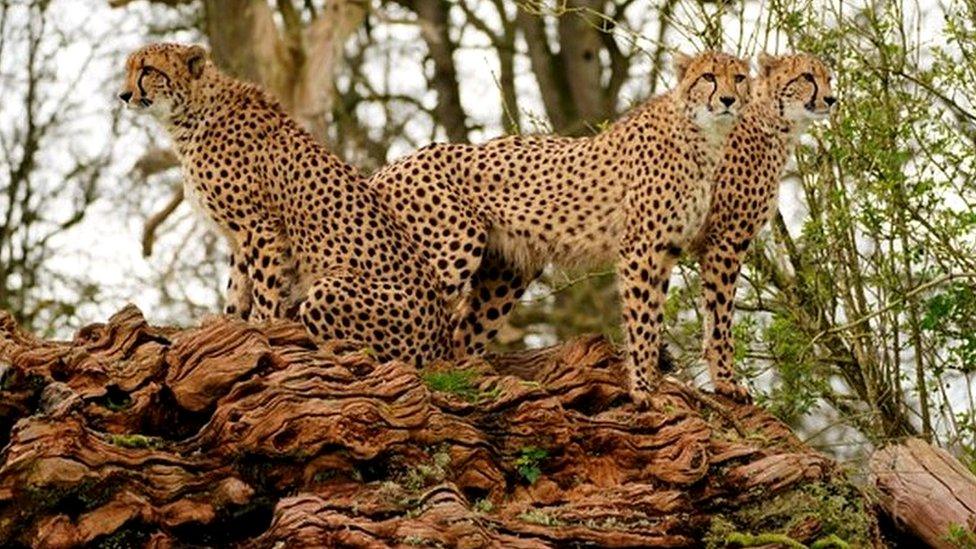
x=709, y=77
x=808, y=76
x=739, y=78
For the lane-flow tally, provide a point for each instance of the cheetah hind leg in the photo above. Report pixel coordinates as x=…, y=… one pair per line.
x=391, y=319
x=239, y=288
x=495, y=288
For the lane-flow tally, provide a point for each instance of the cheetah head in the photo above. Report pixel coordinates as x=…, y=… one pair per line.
x=159, y=78
x=799, y=84
x=713, y=87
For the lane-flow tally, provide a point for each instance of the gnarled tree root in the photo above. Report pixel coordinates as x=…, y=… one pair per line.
x=229, y=433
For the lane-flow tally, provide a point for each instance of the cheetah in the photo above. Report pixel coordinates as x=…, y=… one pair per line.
x=308, y=236
x=490, y=217
x=791, y=92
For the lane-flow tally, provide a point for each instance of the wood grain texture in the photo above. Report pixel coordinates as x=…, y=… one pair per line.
x=926, y=491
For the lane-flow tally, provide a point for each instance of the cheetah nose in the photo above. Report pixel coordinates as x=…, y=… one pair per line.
x=125, y=96
x=830, y=100
x=727, y=100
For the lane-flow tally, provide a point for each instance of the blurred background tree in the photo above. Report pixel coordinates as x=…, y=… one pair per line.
x=46, y=188
x=856, y=310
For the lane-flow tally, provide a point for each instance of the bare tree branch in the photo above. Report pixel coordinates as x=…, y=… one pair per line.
x=157, y=219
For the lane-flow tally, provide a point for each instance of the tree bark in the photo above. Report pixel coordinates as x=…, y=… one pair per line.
x=297, y=64
x=927, y=492
x=435, y=29
x=547, y=67
x=580, y=43
x=323, y=40
x=230, y=433
x=249, y=45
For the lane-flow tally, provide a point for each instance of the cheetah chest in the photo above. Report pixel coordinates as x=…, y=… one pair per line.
x=696, y=205
x=192, y=194
x=697, y=196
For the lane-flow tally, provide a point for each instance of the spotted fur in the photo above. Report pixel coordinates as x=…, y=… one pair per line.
x=308, y=236
x=489, y=217
x=791, y=91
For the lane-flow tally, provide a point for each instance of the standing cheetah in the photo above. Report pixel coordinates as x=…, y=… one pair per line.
x=304, y=228
x=489, y=217
x=791, y=91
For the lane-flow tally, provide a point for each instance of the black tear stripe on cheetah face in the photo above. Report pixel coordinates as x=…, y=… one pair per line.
x=308, y=236
x=791, y=91
x=490, y=217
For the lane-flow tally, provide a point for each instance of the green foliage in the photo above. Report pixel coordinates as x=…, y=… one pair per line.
x=969, y=452
x=838, y=509
x=961, y=537
x=529, y=463
x=950, y=320
x=798, y=384
x=483, y=505
x=744, y=333
x=134, y=441
x=738, y=539
x=426, y=474
x=462, y=383
x=566, y=304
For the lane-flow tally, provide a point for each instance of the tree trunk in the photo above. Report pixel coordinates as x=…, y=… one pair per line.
x=230, y=433
x=435, y=28
x=927, y=492
x=547, y=67
x=581, y=44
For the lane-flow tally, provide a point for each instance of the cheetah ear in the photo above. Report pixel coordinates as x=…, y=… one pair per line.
x=681, y=62
x=196, y=58
x=767, y=63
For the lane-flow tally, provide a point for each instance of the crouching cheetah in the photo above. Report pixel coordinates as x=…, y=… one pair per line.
x=304, y=228
x=489, y=217
x=791, y=92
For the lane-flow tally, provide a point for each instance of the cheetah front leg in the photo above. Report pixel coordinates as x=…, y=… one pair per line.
x=644, y=273
x=495, y=288
x=720, y=264
x=271, y=271
x=239, y=288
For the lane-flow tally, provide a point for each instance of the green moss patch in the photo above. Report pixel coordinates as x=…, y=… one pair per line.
x=838, y=511
x=461, y=382
x=134, y=441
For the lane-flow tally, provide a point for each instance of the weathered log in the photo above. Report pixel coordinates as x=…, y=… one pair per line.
x=229, y=433
x=927, y=492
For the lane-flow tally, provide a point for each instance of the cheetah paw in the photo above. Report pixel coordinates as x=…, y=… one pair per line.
x=734, y=391
x=642, y=394
x=641, y=399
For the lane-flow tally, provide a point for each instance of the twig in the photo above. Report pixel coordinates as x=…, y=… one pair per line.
x=911, y=293
x=709, y=402
x=157, y=219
